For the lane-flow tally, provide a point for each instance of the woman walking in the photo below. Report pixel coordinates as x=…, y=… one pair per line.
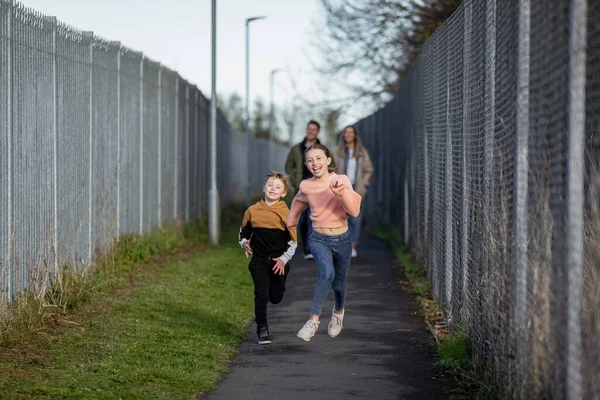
x=353, y=160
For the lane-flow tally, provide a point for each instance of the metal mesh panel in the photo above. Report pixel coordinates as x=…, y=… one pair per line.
x=427, y=57
x=498, y=278
x=454, y=165
x=438, y=165
x=189, y=151
x=419, y=144
x=193, y=154
x=130, y=181
x=32, y=146
x=73, y=146
x=472, y=160
x=168, y=140
x=182, y=155
x=105, y=141
x=203, y=155
x=150, y=146
x=547, y=182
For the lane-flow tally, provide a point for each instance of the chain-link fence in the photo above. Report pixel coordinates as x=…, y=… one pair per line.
x=488, y=159
x=96, y=140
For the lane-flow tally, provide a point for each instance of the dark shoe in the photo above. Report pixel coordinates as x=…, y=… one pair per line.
x=263, y=335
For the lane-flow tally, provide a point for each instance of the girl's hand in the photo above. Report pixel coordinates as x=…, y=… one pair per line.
x=247, y=248
x=337, y=187
x=279, y=267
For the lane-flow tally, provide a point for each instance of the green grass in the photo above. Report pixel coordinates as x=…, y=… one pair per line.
x=454, y=352
x=161, y=328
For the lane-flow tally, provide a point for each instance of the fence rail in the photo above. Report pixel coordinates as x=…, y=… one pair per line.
x=488, y=158
x=96, y=141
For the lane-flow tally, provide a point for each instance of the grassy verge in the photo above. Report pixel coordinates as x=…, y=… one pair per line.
x=452, y=343
x=74, y=288
x=161, y=323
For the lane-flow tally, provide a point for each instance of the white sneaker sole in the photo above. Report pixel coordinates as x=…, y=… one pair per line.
x=334, y=336
x=305, y=339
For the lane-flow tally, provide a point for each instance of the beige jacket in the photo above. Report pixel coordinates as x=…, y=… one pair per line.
x=364, y=168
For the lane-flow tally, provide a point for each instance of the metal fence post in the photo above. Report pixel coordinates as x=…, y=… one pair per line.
x=195, y=159
x=464, y=224
x=575, y=198
x=406, y=213
x=176, y=166
x=413, y=205
x=9, y=147
x=118, y=44
x=160, y=69
x=521, y=184
x=54, y=143
x=89, y=36
x=141, y=211
x=187, y=152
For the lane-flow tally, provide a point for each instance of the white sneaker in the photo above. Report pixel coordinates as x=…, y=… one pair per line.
x=308, y=256
x=354, y=253
x=336, y=324
x=308, y=330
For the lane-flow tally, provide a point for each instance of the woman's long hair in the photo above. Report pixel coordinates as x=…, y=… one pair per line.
x=341, y=149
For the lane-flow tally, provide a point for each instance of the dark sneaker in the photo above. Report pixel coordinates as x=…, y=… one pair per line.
x=263, y=335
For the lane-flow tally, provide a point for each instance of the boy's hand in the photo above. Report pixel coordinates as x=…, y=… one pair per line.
x=337, y=187
x=279, y=267
x=247, y=248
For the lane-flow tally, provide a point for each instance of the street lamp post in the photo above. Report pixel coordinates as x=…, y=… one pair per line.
x=213, y=193
x=246, y=111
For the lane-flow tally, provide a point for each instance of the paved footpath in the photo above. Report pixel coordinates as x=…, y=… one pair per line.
x=384, y=351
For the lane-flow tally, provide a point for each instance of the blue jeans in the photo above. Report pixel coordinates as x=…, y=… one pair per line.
x=332, y=254
x=305, y=229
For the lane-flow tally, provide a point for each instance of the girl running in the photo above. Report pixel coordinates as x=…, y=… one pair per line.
x=331, y=200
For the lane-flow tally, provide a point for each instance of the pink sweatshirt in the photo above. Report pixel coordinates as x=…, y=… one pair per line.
x=327, y=209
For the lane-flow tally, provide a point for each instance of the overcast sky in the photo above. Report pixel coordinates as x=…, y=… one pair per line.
x=177, y=33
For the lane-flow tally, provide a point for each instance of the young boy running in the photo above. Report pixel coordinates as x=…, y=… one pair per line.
x=265, y=235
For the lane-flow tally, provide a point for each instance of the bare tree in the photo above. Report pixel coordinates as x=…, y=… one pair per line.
x=369, y=45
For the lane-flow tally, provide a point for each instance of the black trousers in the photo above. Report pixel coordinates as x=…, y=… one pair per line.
x=304, y=229
x=268, y=286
